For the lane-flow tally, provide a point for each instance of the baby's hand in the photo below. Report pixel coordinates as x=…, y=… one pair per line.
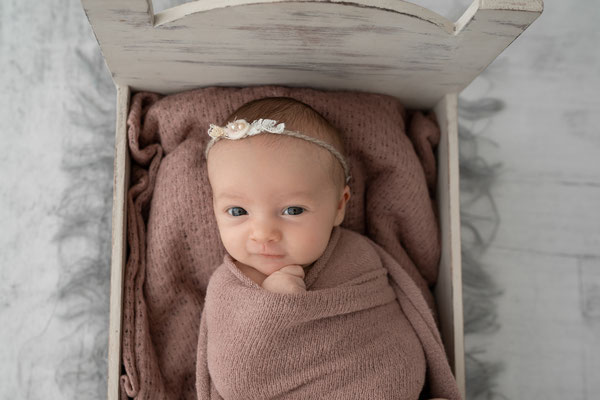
x=289, y=279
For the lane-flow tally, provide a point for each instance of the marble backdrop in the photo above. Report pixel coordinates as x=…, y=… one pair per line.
x=530, y=196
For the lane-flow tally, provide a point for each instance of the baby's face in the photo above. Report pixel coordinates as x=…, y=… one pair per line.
x=275, y=205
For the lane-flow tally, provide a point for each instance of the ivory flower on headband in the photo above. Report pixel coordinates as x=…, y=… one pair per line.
x=240, y=128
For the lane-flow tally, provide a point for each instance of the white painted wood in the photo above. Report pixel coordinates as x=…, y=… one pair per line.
x=448, y=290
x=388, y=46
x=119, y=246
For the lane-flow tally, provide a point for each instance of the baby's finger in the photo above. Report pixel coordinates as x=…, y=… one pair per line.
x=297, y=289
x=295, y=284
x=293, y=269
x=299, y=282
x=284, y=283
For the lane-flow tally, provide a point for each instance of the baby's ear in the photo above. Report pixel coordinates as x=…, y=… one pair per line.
x=341, y=208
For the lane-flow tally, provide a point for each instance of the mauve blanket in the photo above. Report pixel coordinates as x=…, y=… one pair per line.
x=173, y=241
x=362, y=330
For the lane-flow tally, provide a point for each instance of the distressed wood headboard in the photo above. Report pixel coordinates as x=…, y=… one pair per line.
x=386, y=46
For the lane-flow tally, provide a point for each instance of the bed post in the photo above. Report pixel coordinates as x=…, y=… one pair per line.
x=448, y=290
x=119, y=242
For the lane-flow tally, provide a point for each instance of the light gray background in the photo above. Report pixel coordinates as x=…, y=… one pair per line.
x=530, y=195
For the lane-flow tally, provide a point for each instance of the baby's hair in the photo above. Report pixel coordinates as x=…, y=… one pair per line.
x=297, y=116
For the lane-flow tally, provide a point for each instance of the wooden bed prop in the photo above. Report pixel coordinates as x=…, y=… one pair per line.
x=382, y=46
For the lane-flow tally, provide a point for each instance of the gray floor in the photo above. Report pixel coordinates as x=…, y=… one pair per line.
x=530, y=189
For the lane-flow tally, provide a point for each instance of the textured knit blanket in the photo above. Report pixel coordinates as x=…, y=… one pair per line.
x=173, y=241
x=362, y=330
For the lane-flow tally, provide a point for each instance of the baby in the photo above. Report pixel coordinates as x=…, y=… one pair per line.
x=302, y=308
x=276, y=198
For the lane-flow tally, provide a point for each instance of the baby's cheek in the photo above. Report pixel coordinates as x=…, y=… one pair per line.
x=313, y=245
x=232, y=240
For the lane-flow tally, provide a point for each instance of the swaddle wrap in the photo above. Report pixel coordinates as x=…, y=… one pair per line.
x=173, y=240
x=361, y=330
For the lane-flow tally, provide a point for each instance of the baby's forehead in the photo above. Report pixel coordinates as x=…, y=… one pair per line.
x=271, y=144
x=265, y=154
x=280, y=152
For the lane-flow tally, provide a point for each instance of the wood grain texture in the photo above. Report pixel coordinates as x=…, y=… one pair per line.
x=545, y=256
x=390, y=47
x=119, y=235
x=448, y=290
x=549, y=348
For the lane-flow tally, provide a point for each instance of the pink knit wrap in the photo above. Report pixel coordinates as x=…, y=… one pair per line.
x=174, y=245
x=362, y=330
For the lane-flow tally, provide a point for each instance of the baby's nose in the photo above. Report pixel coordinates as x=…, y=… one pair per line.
x=265, y=231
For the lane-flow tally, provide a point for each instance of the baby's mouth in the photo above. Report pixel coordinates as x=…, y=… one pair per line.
x=267, y=255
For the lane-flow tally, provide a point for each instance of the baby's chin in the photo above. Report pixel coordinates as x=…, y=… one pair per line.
x=269, y=265
x=264, y=265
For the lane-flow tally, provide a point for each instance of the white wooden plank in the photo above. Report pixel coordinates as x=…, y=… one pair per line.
x=448, y=290
x=390, y=47
x=546, y=346
x=589, y=288
x=548, y=217
x=119, y=226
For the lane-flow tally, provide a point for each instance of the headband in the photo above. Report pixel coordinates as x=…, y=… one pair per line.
x=240, y=129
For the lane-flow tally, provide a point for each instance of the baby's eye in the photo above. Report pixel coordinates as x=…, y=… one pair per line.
x=236, y=211
x=293, y=211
